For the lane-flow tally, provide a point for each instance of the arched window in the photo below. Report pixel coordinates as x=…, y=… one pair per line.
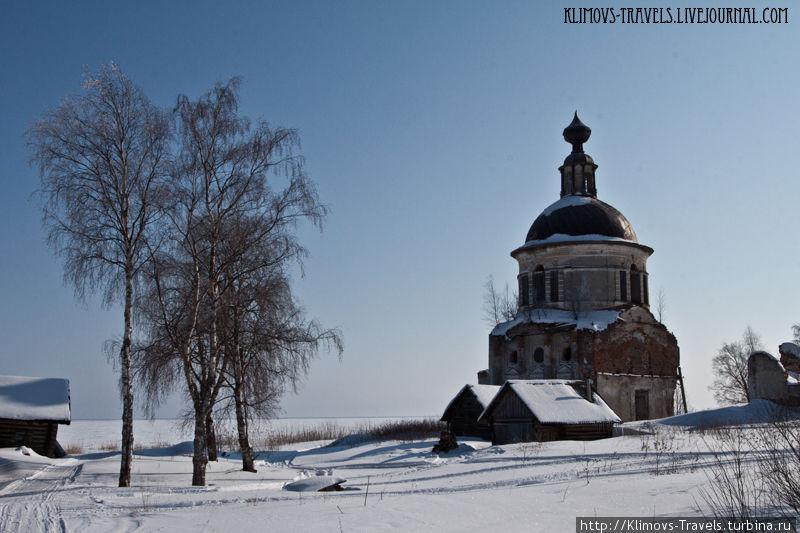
x=636, y=285
x=644, y=289
x=538, y=284
x=567, y=355
x=623, y=286
x=538, y=355
x=524, y=294
x=513, y=358
x=578, y=178
x=554, y=285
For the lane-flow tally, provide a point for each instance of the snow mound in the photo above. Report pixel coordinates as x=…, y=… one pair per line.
x=755, y=412
x=315, y=484
x=350, y=440
x=182, y=448
x=24, y=450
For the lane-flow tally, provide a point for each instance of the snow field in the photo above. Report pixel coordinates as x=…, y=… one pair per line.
x=531, y=486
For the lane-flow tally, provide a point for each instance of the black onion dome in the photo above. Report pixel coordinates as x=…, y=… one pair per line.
x=580, y=215
x=577, y=133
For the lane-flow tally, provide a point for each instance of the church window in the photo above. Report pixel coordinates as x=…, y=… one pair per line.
x=636, y=285
x=554, y=285
x=644, y=290
x=567, y=355
x=623, y=286
x=524, y=298
x=578, y=178
x=538, y=355
x=538, y=285
x=513, y=358
x=567, y=180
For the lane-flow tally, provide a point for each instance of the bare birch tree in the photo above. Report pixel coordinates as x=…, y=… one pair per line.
x=661, y=305
x=270, y=344
x=730, y=369
x=498, y=306
x=240, y=192
x=101, y=156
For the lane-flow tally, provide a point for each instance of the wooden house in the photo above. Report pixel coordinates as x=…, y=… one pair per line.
x=31, y=410
x=545, y=410
x=464, y=409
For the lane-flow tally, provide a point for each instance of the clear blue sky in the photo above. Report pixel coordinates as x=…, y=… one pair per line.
x=433, y=131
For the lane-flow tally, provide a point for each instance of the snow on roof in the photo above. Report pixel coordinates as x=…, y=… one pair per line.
x=594, y=320
x=24, y=398
x=563, y=237
x=567, y=201
x=483, y=393
x=554, y=401
x=789, y=348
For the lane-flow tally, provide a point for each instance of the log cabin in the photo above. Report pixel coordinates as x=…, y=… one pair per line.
x=31, y=409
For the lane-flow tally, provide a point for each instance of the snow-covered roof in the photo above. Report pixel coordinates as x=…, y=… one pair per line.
x=554, y=401
x=563, y=237
x=25, y=398
x=594, y=320
x=483, y=393
x=789, y=348
x=571, y=200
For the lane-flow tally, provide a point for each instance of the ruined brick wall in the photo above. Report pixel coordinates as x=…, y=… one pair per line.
x=634, y=345
x=790, y=356
x=767, y=379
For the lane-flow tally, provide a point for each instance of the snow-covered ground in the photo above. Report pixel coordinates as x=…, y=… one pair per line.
x=395, y=486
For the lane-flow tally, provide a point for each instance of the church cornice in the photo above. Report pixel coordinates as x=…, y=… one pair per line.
x=574, y=240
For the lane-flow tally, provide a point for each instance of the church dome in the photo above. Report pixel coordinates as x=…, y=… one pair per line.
x=575, y=215
x=579, y=213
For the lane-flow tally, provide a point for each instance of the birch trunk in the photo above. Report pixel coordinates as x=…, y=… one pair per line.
x=241, y=425
x=199, y=459
x=127, y=387
x=211, y=438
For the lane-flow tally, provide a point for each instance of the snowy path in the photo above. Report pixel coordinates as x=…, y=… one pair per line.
x=33, y=503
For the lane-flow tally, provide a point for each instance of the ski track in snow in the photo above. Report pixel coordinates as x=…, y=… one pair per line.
x=34, y=501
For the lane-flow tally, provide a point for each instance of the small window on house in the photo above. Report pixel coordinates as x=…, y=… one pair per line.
x=538, y=284
x=513, y=358
x=524, y=299
x=623, y=286
x=538, y=355
x=567, y=355
x=554, y=285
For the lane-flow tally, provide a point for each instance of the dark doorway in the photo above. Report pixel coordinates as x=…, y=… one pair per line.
x=642, y=405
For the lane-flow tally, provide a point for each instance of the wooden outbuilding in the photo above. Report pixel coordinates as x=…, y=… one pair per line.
x=545, y=410
x=464, y=409
x=31, y=410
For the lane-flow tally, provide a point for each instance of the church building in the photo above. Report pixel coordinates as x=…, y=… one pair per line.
x=584, y=307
